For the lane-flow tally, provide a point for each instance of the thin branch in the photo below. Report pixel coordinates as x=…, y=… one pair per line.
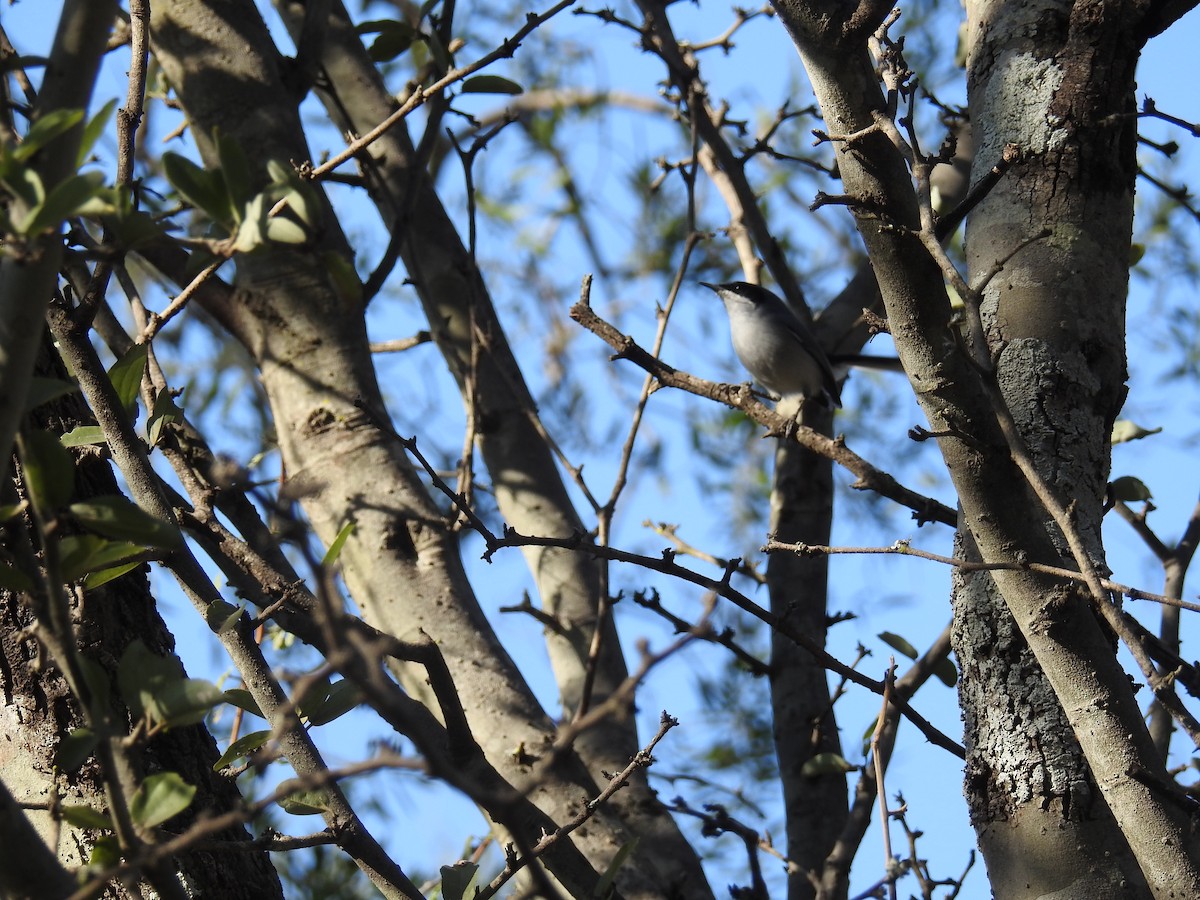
x=506, y=49
x=925, y=509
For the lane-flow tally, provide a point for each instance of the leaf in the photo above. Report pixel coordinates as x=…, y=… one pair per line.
x=1128, y=489
x=899, y=644
x=86, y=817
x=43, y=390
x=104, y=576
x=140, y=673
x=82, y=435
x=82, y=554
x=186, y=701
x=946, y=671
x=126, y=377
x=491, y=84
x=165, y=413
x=235, y=171
x=242, y=699
x=160, y=797
x=458, y=879
x=115, y=517
x=1124, y=430
x=335, y=549
x=242, y=747
x=106, y=853
x=222, y=615
x=63, y=201
x=26, y=185
x=45, y=129
x=250, y=231
x=394, y=38
x=341, y=697
x=48, y=470
x=75, y=748
x=282, y=230
x=93, y=129
x=826, y=764
x=204, y=190
x=14, y=579
x=304, y=802
x=96, y=678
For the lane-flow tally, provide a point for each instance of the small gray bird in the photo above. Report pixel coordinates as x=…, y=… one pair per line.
x=774, y=345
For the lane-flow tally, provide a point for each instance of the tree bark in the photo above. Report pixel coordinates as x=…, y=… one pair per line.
x=1085, y=135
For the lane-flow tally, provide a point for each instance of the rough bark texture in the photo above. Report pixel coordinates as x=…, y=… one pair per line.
x=1001, y=513
x=529, y=489
x=1045, y=76
x=345, y=464
x=37, y=709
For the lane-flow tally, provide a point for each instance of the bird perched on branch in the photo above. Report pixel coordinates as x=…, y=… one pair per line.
x=777, y=349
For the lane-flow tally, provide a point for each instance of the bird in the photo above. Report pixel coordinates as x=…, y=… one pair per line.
x=775, y=346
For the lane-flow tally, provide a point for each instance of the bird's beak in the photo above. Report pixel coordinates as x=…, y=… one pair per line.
x=711, y=287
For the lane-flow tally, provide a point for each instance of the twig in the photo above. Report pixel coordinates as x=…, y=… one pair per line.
x=641, y=760
x=925, y=509
x=506, y=49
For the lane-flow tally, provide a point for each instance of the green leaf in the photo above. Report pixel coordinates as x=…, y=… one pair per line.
x=126, y=377
x=250, y=230
x=458, y=879
x=183, y=702
x=106, y=853
x=160, y=797
x=75, y=748
x=104, y=576
x=135, y=228
x=45, y=129
x=26, y=185
x=826, y=764
x=82, y=554
x=204, y=190
x=93, y=130
x=242, y=699
x=335, y=549
x=491, y=84
x=242, y=747
x=341, y=697
x=48, y=470
x=222, y=615
x=1124, y=430
x=64, y=201
x=140, y=673
x=946, y=671
x=282, y=230
x=95, y=678
x=304, y=802
x=82, y=435
x=9, y=511
x=899, y=644
x=86, y=817
x=394, y=39
x=1128, y=489
x=116, y=517
x=15, y=580
x=43, y=390
x=165, y=413
x=235, y=171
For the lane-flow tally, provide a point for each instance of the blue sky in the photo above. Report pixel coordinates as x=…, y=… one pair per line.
x=903, y=596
